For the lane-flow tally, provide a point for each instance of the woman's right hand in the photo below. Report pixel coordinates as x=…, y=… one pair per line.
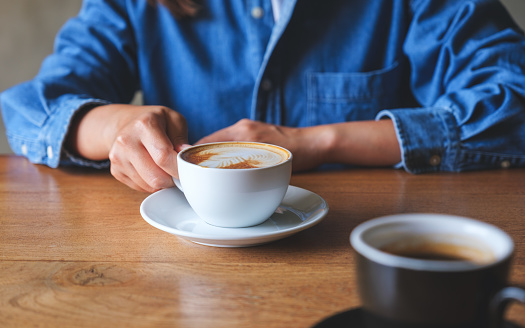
x=141, y=142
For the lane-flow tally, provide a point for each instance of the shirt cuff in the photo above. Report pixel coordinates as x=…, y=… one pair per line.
x=57, y=129
x=428, y=138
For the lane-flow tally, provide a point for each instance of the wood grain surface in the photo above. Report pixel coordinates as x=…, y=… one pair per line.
x=75, y=252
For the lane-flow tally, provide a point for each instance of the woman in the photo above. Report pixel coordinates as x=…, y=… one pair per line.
x=425, y=85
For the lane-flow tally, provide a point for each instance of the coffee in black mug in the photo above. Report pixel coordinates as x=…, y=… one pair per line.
x=433, y=271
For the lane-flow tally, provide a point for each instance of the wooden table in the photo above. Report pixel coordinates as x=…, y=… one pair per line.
x=75, y=252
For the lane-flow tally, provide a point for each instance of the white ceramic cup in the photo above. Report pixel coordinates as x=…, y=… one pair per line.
x=232, y=196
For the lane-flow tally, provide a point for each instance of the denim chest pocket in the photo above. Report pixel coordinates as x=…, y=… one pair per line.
x=342, y=97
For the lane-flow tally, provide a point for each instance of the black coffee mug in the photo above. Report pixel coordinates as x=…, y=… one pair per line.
x=433, y=271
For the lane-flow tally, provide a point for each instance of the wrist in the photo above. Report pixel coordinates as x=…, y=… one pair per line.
x=320, y=142
x=92, y=132
x=72, y=142
x=367, y=143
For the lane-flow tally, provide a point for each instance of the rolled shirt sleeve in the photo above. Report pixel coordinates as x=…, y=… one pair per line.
x=93, y=64
x=468, y=72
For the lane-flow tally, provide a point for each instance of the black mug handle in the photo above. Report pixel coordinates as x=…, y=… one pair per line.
x=501, y=300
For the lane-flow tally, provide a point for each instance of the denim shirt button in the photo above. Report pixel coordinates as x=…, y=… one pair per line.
x=50, y=152
x=257, y=12
x=435, y=160
x=266, y=85
x=505, y=164
x=24, y=150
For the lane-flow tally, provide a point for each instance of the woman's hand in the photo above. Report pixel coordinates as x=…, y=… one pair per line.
x=141, y=142
x=367, y=143
x=305, y=147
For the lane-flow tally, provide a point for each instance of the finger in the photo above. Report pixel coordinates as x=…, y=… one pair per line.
x=122, y=167
x=149, y=172
x=160, y=148
x=180, y=148
x=243, y=130
x=176, y=129
x=131, y=183
x=134, y=183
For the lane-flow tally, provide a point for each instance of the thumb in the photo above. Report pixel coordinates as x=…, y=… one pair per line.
x=181, y=147
x=177, y=130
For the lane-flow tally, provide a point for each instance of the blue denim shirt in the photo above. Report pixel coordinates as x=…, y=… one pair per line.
x=450, y=74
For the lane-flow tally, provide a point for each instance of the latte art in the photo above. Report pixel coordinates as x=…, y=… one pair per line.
x=236, y=155
x=236, y=159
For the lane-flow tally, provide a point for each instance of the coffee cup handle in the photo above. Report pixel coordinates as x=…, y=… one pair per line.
x=501, y=300
x=177, y=183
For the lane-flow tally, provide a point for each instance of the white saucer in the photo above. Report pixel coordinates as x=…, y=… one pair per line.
x=169, y=211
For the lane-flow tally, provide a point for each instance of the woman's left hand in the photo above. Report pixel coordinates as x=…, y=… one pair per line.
x=305, y=148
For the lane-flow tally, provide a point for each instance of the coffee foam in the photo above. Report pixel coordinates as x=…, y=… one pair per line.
x=236, y=155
